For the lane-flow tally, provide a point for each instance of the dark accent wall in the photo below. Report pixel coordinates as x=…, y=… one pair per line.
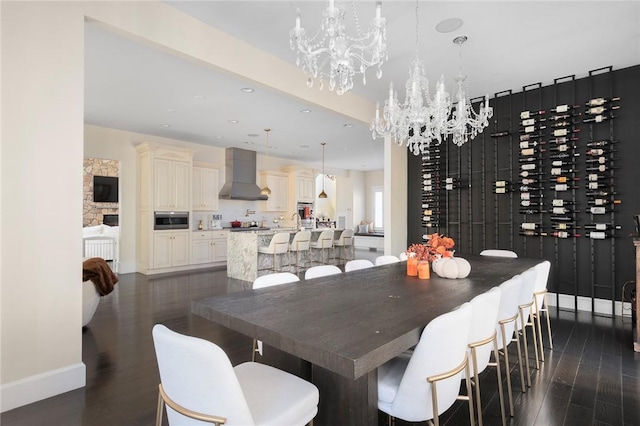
x=477, y=218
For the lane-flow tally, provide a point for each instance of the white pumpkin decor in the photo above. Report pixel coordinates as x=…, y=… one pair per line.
x=451, y=267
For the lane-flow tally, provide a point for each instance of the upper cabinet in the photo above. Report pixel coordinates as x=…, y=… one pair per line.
x=279, y=184
x=302, y=185
x=205, y=188
x=171, y=185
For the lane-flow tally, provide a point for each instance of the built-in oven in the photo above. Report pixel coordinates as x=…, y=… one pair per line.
x=171, y=220
x=305, y=210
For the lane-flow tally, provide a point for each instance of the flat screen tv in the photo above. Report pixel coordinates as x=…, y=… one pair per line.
x=105, y=189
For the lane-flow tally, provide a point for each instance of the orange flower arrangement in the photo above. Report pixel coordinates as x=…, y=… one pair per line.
x=438, y=246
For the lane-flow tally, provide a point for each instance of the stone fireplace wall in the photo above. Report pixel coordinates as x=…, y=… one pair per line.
x=93, y=212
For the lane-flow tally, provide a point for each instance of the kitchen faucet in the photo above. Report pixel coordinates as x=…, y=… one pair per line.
x=298, y=220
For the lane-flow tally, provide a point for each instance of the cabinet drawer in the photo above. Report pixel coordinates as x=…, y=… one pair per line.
x=201, y=235
x=217, y=235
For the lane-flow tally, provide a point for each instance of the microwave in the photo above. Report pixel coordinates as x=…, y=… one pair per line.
x=170, y=220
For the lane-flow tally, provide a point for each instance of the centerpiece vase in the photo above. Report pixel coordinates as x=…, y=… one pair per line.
x=424, y=270
x=412, y=267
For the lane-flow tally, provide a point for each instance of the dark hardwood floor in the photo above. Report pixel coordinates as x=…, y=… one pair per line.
x=592, y=375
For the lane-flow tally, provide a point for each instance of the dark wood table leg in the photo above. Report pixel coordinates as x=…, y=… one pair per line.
x=344, y=401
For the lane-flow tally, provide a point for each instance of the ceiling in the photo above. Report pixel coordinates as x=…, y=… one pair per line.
x=135, y=87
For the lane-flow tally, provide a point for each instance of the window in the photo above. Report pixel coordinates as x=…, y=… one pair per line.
x=378, y=208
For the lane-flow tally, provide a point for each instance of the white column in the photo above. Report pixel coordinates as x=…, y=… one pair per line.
x=395, y=197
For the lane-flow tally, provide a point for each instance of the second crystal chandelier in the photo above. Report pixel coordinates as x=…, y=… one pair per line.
x=333, y=55
x=420, y=120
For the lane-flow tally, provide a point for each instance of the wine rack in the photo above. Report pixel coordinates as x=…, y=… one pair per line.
x=433, y=189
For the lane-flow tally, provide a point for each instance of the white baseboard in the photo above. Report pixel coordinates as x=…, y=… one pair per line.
x=601, y=306
x=126, y=267
x=41, y=386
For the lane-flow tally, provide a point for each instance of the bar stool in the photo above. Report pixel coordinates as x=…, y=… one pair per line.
x=344, y=243
x=279, y=244
x=325, y=241
x=301, y=243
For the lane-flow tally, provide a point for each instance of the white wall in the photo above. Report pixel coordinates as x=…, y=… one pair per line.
x=372, y=178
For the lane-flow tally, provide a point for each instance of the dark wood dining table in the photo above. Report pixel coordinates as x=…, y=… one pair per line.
x=349, y=324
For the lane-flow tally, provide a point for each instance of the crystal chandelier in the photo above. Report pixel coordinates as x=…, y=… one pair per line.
x=465, y=124
x=333, y=55
x=419, y=120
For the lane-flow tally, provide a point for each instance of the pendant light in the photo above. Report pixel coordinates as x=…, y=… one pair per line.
x=266, y=190
x=322, y=194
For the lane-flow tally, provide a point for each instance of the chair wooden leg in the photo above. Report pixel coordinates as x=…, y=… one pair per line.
x=539, y=330
x=546, y=311
x=476, y=384
x=434, y=403
x=470, y=400
x=507, y=371
x=526, y=347
x=534, y=336
x=159, y=410
x=496, y=355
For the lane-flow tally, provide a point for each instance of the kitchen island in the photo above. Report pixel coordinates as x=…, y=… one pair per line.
x=243, y=261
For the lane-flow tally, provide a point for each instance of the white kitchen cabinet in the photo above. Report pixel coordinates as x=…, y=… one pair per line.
x=208, y=247
x=205, y=188
x=171, y=185
x=279, y=185
x=170, y=249
x=306, y=189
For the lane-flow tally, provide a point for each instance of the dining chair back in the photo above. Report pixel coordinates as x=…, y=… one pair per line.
x=431, y=372
x=274, y=279
x=540, y=302
x=200, y=386
x=482, y=340
x=506, y=327
x=321, y=271
x=385, y=260
x=264, y=281
x=354, y=265
x=499, y=253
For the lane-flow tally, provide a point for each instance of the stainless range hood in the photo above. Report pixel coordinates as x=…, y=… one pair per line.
x=240, y=176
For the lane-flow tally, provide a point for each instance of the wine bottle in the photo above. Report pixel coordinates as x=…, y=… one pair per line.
x=564, y=132
x=502, y=190
x=564, y=234
x=559, y=187
x=529, y=196
x=529, y=173
x=599, y=151
x=530, y=211
x=597, y=160
x=602, y=202
x=532, y=144
x=601, y=168
x=563, y=163
x=563, y=108
x=598, y=210
x=593, y=177
x=563, y=139
x=500, y=134
x=556, y=171
x=563, y=226
x=561, y=219
x=599, y=118
x=558, y=202
x=528, y=203
x=530, y=226
x=563, y=123
x=527, y=188
x=562, y=148
x=600, y=193
x=531, y=129
x=531, y=151
x=526, y=114
x=531, y=121
x=565, y=179
x=601, y=101
x=529, y=233
x=528, y=181
x=600, y=235
x=563, y=116
x=602, y=226
x=528, y=166
x=528, y=159
x=562, y=210
x=600, y=110
x=601, y=143
x=529, y=137
x=565, y=155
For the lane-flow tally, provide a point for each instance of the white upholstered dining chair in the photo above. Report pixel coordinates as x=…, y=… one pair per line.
x=540, y=302
x=431, y=372
x=324, y=242
x=300, y=245
x=198, y=385
x=386, y=259
x=321, y=271
x=279, y=244
x=525, y=318
x=354, y=265
x=264, y=281
x=344, y=243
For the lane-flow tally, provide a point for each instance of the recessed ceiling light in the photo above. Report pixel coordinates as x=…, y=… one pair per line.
x=233, y=121
x=171, y=110
x=449, y=25
x=247, y=90
x=348, y=125
x=253, y=135
x=304, y=146
x=219, y=137
x=248, y=143
x=166, y=125
x=305, y=111
x=199, y=97
x=346, y=149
